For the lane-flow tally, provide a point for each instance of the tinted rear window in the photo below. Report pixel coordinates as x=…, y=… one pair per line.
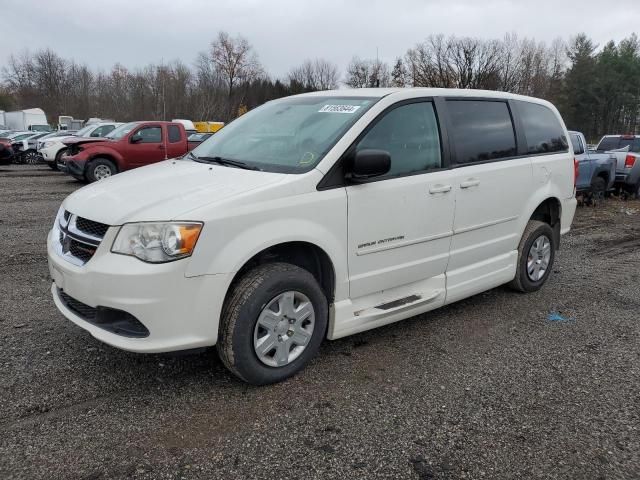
x=615, y=142
x=542, y=129
x=482, y=130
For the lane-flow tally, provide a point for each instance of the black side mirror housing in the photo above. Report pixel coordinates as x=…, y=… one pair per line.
x=135, y=138
x=368, y=164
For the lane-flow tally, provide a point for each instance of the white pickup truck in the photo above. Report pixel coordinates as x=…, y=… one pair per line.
x=626, y=148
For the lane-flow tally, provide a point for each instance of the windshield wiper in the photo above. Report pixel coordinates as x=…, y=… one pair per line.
x=225, y=161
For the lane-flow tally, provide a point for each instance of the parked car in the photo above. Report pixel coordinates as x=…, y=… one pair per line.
x=197, y=138
x=626, y=148
x=596, y=171
x=24, y=151
x=52, y=150
x=316, y=216
x=129, y=146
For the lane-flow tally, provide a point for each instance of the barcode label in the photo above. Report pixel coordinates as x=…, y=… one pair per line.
x=339, y=108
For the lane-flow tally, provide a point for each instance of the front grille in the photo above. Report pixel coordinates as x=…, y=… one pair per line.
x=109, y=319
x=79, y=238
x=95, y=229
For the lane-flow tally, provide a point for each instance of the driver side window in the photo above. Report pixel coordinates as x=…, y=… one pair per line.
x=149, y=135
x=410, y=134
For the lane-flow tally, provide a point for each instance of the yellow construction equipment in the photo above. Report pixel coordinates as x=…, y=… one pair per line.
x=208, y=127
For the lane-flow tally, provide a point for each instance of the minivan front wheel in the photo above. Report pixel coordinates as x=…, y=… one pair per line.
x=536, y=254
x=272, y=324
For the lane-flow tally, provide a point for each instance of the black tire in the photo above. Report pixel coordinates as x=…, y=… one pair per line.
x=58, y=160
x=637, y=190
x=97, y=164
x=522, y=282
x=30, y=157
x=52, y=165
x=598, y=189
x=240, y=312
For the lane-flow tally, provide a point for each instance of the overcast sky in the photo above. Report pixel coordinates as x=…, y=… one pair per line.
x=285, y=32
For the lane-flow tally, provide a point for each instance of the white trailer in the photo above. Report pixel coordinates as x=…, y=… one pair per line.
x=29, y=119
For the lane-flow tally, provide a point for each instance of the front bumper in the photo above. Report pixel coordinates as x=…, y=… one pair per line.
x=179, y=312
x=49, y=154
x=73, y=167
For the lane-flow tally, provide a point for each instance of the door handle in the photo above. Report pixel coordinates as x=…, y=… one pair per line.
x=439, y=189
x=161, y=147
x=471, y=182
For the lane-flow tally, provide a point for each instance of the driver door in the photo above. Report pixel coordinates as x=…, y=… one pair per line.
x=400, y=225
x=146, y=146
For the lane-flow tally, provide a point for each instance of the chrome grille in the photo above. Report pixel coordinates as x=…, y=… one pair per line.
x=78, y=237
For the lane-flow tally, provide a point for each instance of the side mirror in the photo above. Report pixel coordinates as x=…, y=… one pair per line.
x=368, y=164
x=579, y=151
x=136, y=138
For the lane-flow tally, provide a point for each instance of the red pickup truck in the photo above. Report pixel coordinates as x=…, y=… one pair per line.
x=131, y=145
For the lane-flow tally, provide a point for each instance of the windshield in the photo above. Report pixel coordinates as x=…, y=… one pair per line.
x=289, y=135
x=85, y=131
x=22, y=136
x=121, y=131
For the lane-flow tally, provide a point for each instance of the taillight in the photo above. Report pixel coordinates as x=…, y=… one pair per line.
x=629, y=161
x=576, y=168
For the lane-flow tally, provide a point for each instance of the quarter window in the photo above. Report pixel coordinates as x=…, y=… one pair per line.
x=542, y=129
x=482, y=130
x=410, y=134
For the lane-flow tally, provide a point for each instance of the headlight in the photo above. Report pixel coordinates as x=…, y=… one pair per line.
x=157, y=242
x=47, y=144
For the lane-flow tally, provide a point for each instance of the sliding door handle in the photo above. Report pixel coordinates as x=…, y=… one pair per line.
x=472, y=182
x=439, y=188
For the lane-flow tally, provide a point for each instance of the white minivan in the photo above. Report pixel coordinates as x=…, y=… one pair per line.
x=317, y=216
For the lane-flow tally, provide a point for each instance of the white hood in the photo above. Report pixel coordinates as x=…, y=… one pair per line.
x=163, y=191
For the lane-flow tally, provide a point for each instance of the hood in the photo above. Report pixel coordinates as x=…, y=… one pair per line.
x=80, y=140
x=164, y=191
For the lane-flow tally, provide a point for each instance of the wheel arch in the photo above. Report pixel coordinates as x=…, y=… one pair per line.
x=549, y=211
x=107, y=155
x=303, y=254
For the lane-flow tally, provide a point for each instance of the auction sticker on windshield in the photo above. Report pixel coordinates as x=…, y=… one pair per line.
x=339, y=108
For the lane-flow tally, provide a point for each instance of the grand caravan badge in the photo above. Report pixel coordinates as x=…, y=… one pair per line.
x=381, y=241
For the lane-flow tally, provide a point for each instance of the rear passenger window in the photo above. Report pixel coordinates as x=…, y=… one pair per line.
x=174, y=134
x=542, y=129
x=482, y=130
x=608, y=143
x=410, y=134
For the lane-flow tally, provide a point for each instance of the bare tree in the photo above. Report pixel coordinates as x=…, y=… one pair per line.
x=313, y=75
x=367, y=73
x=235, y=60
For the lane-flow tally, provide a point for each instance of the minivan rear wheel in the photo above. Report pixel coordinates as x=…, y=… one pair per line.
x=273, y=322
x=536, y=254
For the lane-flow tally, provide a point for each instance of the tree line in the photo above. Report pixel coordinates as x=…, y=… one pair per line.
x=597, y=90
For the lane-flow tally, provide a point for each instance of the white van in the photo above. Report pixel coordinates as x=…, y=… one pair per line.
x=317, y=216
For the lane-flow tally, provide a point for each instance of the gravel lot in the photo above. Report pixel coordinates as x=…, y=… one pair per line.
x=486, y=388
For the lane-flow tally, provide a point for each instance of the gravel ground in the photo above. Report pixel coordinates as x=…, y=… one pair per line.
x=485, y=388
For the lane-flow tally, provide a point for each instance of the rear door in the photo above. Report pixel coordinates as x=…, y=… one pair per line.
x=492, y=186
x=177, y=144
x=146, y=146
x=399, y=226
